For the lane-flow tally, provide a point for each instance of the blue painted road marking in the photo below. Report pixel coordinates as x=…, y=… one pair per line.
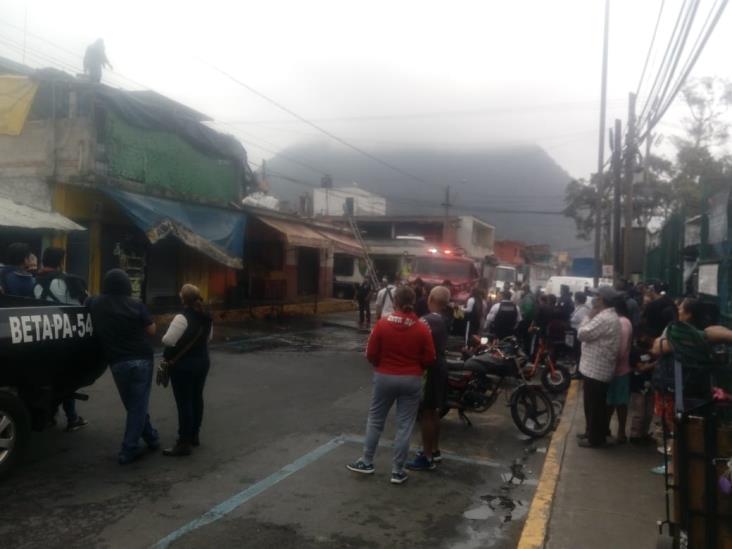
x=237, y=500
x=227, y=506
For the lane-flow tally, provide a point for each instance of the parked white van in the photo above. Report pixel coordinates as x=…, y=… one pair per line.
x=575, y=283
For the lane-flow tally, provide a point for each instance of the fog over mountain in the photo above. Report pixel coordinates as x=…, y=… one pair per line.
x=493, y=184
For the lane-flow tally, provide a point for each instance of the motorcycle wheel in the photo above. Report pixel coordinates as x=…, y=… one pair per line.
x=557, y=381
x=532, y=411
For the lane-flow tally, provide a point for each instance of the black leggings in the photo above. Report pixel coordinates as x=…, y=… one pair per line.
x=188, y=378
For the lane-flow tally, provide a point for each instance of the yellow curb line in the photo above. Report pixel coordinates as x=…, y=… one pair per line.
x=533, y=535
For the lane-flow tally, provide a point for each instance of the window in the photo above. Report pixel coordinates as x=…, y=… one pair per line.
x=504, y=274
x=343, y=265
x=442, y=268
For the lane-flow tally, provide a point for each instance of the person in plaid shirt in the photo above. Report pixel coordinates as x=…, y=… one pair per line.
x=600, y=337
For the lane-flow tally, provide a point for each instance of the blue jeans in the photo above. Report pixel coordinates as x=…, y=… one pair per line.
x=134, y=380
x=69, y=406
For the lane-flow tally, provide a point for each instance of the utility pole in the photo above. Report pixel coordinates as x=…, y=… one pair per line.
x=446, y=204
x=630, y=154
x=617, y=165
x=647, y=159
x=600, y=183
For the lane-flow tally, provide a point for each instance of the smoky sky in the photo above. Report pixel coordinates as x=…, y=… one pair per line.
x=380, y=74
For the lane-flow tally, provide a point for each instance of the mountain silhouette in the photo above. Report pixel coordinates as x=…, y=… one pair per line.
x=504, y=186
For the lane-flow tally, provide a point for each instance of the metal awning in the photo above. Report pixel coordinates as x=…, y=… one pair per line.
x=215, y=232
x=343, y=243
x=24, y=217
x=296, y=234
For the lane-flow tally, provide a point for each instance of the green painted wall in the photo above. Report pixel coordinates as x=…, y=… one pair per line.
x=165, y=161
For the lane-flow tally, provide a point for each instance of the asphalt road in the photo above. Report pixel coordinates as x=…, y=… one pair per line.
x=285, y=411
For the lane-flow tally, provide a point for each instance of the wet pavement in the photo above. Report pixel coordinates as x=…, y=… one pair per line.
x=285, y=411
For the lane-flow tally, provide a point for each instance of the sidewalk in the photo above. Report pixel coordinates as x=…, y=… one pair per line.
x=601, y=499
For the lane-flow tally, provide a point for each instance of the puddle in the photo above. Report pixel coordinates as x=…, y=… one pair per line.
x=505, y=507
x=300, y=342
x=484, y=512
x=489, y=520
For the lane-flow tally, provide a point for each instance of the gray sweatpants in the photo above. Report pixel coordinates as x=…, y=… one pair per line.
x=406, y=391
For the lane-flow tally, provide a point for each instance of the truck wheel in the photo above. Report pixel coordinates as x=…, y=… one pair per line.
x=14, y=430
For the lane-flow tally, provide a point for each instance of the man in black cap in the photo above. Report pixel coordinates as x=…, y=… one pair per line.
x=600, y=337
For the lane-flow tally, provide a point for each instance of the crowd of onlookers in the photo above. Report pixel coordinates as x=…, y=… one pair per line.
x=124, y=328
x=621, y=336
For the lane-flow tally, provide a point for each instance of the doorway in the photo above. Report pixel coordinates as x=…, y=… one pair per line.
x=308, y=268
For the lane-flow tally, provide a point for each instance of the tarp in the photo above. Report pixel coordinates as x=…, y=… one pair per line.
x=296, y=234
x=151, y=111
x=16, y=98
x=25, y=217
x=215, y=232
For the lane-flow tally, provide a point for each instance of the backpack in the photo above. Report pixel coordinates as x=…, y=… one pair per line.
x=505, y=320
x=44, y=281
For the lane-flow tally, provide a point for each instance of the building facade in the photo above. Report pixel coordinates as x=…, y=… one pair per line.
x=154, y=191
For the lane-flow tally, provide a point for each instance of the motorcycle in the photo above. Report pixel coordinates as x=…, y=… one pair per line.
x=476, y=383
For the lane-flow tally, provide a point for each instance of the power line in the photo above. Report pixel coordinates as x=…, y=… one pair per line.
x=279, y=154
x=680, y=48
x=650, y=48
x=317, y=127
x=688, y=66
x=663, y=67
x=434, y=114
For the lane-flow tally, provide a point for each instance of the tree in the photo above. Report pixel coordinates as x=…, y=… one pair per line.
x=580, y=199
x=701, y=153
x=655, y=196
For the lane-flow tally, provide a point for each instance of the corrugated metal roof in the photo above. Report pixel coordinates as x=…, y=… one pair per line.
x=25, y=217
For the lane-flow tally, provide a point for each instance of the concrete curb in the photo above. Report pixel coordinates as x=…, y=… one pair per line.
x=536, y=527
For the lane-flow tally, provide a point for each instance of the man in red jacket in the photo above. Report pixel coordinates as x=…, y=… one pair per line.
x=400, y=348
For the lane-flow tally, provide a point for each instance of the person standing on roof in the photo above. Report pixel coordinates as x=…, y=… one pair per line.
x=95, y=59
x=385, y=298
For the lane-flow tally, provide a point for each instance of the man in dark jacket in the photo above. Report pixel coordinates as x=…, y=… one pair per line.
x=659, y=312
x=123, y=325
x=434, y=398
x=15, y=280
x=503, y=317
